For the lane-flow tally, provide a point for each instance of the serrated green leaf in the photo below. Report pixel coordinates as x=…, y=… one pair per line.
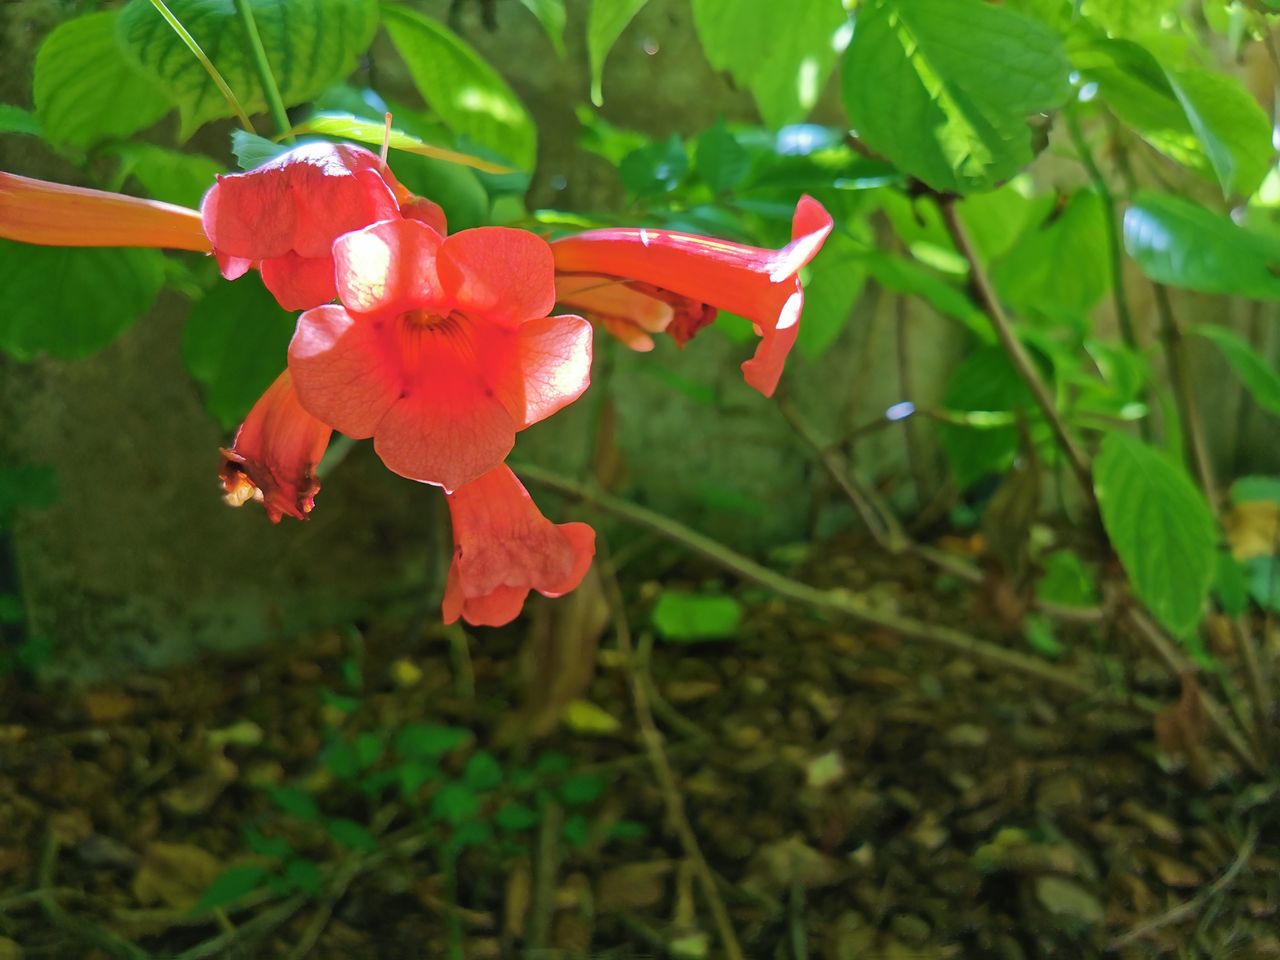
x=169, y=175
x=1160, y=526
x=468, y=94
x=70, y=302
x=1259, y=377
x=234, y=344
x=689, y=617
x=957, y=116
x=309, y=44
x=605, y=23
x=722, y=162
x=229, y=886
x=1182, y=244
x=86, y=91
x=16, y=120
x=782, y=52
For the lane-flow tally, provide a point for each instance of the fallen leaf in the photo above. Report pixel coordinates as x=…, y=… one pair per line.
x=201, y=792
x=583, y=716
x=108, y=706
x=1253, y=529
x=175, y=874
x=633, y=886
x=1065, y=898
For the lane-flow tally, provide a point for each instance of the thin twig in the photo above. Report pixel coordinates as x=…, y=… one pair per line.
x=1018, y=354
x=198, y=52
x=83, y=930
x=258, y=53
x=652, y=738
x=1189, y=908
x=1184, y=396
x=837, y=600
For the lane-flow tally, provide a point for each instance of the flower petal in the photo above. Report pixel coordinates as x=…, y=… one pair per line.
x=548, y=368
x=626, y=313
x=387, y=268
x=499, y=274
x=345, y=369
x=764, y=370
x=299, y=283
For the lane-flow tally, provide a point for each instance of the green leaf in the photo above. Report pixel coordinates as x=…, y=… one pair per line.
x=428, y=741
x=454, y=803
x=72, y=301
x=309, y=43
x=229, y=886
x=1182, y=244
x=251, y=150
x=234, y=344
x=275, y=847
x=1067, y=581
x=16, y=120
x=304, y=876
x=1258, y=376
x=346, y=126
x=905, y=276
x=1159, y=525
x=295, y=802
x=1031, y=276
x=1229, y=585
x=575, y=830
x=1038, y=629
x=473, y=833
x=984, y=383
x=627, y=830
x=582, y=789
x=412, y=774
x=1244, y=490
x=837, y=276
x=1206, y=121
x=956, y=118
x=1263, y=575
x=655, y=168
x=687, y=617
x=722, y=162
x=551, y=15
x=483, y=772
x=351, y=834
x=782, y=52
x=516, y=817
x=605, y=23
x=168, y=175
x=25, y=487
x=470, y=97
x=11, y=609
x=86, y=91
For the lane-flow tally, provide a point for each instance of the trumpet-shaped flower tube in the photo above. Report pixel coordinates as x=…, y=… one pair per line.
x=504, y=547
x=633, y=312
x=275, y=455
x=442, y=349
x=57, y=215
x=759, y=284
x=284, y=216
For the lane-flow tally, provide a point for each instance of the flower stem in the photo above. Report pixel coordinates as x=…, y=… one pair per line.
x=275, y=103
x=205, y=62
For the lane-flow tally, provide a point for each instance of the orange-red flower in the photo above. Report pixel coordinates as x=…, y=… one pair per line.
x=275, y=455
x=504, y=547
x=759, y=284
x=56, y=215
x=284, y=216
x=442, y=349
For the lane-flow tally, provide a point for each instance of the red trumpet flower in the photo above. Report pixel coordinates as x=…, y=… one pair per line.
x=275, y=455
x=504, y=547
x=759, y=284
x=442, y=349
x=284, y=216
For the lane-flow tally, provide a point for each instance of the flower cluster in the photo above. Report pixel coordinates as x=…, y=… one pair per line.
x=440, y=347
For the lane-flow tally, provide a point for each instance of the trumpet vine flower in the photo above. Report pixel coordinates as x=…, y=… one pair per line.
x=442, y=348
x=759, y=284
x=504, y=547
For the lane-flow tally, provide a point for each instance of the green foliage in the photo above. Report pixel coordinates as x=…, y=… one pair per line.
x=1255, y=489
x=25, y=487
x=168, y=175
x=1230, y=588
x=470, y=97
x=309, y=44
x=70, y=302
x=957, y=116
x=982, y=398
x=690, y=617
x=1160, y=526
x=16, y=120
x=86, y=91
x=781, y=52
x=551, y=14
x=605, y=23
x=722, y=162
x=1182, y=244
x=234, y=344
x=1067, y=581
x=837, y=277
x=233, y=884
x=1258, y=376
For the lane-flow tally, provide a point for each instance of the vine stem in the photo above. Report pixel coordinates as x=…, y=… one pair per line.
x=835, y=600
x=275, y=103
x=1018, y=354
x=198, y=52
